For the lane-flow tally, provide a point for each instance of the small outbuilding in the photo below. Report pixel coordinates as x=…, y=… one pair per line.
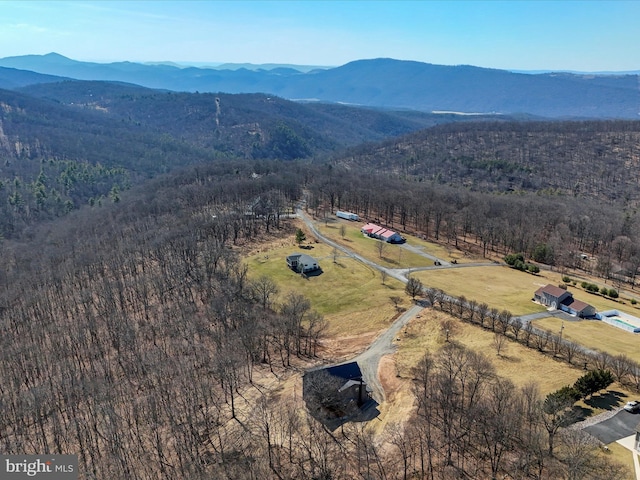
x=302, y=263
x=347, y=216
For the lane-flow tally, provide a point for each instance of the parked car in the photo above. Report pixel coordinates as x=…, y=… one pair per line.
x=632, y=406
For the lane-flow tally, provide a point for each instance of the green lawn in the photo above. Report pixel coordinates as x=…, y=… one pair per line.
x=349, y=294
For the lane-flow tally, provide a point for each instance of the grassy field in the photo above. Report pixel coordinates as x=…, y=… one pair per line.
x=349, y=294
x=393, y=256
x=603, y=303
x=499, y=287
x=596, y=335
x=444, y=252
x=518, y=363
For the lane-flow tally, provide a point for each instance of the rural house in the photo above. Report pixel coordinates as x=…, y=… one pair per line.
x=560, y=299
x=302, y=263
x=376, y=231
x=335, y=392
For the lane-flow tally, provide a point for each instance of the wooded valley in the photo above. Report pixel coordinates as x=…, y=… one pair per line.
x=132, y=333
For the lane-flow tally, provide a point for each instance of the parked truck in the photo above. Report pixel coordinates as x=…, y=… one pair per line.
x=347, y=216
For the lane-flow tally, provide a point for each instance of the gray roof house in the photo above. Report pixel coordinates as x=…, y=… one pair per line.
x=302, y=263
x=560, y=299
x=551, y=296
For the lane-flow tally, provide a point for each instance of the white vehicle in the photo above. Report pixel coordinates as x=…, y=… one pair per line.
x=347, y=216
x=632, y=407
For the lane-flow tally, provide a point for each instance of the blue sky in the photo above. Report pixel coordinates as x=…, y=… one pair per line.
x=516, y=34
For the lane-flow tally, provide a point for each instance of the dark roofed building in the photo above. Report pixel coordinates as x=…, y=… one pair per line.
x=346, y=371
x=301, y=262
x=577, y=308
x=551, y=296
x=560, y=299
x=335, y=392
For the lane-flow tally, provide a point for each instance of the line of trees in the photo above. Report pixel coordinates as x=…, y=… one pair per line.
x=555, y=230
x=502, y=322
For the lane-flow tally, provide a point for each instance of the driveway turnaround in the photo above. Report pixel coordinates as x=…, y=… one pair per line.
x=619, y=426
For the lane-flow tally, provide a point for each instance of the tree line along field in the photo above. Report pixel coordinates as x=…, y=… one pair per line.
x=500, y=287
x=139, y=339
x=135, y=330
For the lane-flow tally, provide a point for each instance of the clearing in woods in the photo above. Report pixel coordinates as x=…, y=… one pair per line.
x=350, y=295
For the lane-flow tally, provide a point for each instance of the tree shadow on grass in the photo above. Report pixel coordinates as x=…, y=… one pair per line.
x=307, y=247
x=581, y=413
x=606, y=401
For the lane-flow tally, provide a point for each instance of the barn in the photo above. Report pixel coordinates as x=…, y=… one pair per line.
x=381, y=233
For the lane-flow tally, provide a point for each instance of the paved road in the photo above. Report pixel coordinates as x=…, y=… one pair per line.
x=619, y=426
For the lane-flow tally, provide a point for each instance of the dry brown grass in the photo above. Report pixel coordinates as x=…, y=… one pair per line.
x=518, y=363
x=621, y=455
x=445, y=252
x=393, y=255
x=596, y=335
x=500, y=286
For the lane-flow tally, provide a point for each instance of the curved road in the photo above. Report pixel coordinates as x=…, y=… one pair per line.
x=369, y=360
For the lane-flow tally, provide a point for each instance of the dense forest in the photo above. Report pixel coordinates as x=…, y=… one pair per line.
x=131, y=333
x=579, y=159
x=70, y=144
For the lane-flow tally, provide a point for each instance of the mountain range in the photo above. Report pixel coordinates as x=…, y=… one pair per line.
x=381, y=83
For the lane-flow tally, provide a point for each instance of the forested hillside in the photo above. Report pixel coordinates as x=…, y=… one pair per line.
x=581, y=159
x=70, y=144
x=132, y=333
x=381, y=83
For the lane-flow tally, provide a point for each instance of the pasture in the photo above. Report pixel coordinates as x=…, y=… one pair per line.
x=499, y=287
x=350, y=295
x=518, y=363
x=595, y=335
